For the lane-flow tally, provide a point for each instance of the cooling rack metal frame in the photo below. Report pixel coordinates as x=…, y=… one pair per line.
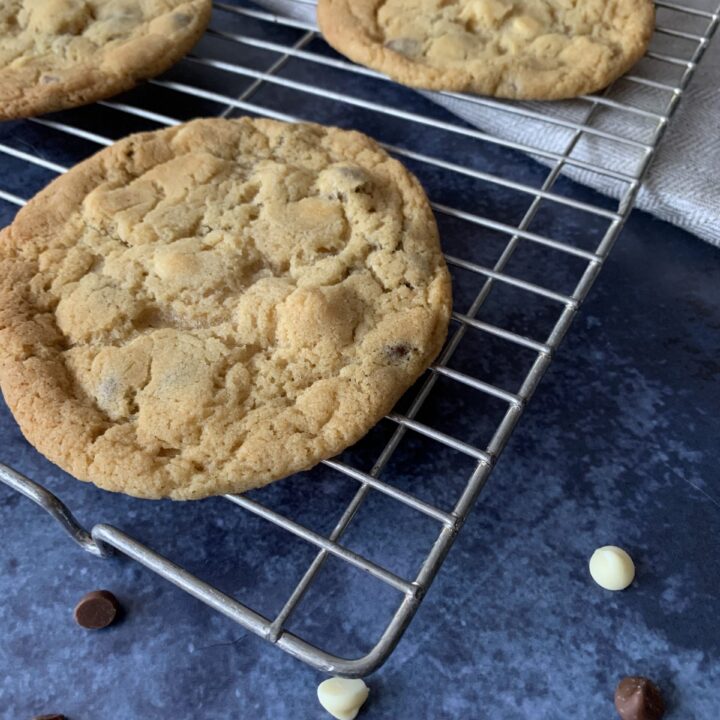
x=103, y=539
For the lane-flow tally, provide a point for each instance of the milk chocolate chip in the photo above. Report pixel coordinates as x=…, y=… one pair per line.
x=637, y=698
x=398, y=353
x=97, y=609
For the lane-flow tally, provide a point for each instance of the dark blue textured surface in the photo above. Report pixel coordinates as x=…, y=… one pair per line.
x=620, y=445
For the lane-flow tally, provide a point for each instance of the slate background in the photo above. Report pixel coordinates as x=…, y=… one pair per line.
x=619, y=445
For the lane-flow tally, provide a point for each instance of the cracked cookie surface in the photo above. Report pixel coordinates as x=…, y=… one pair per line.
x=57, y=54
x=518, y=49
x=210, y=307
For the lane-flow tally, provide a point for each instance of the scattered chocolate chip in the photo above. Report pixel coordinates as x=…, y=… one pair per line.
x=96, y=610
x=49, y=717
x=638, y=698
x=397, y=353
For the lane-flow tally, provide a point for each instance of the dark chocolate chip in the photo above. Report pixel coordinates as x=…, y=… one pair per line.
x=353, y=173
x=97, y=609
x=181, y=20
x=638, y=698
x=49, y=717
x=397, y=353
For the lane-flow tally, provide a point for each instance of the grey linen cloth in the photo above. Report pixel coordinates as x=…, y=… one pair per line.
x=683, y=184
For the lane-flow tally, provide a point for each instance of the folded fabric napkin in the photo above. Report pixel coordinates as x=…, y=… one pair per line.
x=683, y=184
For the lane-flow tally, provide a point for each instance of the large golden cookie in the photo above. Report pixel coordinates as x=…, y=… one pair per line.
x=207, y=308
x=522, y=49
x=57, y=54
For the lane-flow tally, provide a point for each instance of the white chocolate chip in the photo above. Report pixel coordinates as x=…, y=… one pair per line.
x=612, y=568
x=342, y=697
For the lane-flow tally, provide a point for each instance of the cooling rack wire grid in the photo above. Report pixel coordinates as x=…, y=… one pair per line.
x=497, y=226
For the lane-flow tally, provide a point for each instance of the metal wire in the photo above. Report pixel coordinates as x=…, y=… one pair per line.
x=305, y=50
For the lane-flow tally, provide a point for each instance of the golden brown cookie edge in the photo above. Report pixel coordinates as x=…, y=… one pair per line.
x=97, y=84
x=65, y=429
x=344, y=32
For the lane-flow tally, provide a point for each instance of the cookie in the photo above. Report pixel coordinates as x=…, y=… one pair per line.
x=518, y=49
x=207, y=308
x=56, y=54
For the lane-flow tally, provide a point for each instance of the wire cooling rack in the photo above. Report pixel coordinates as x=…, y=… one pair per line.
x=253, y=62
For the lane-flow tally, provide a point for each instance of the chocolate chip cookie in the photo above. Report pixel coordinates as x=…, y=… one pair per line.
x=57, y=54
x=210, y=307
x=521, y=49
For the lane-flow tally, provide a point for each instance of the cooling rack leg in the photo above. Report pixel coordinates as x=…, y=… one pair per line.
x=52, y=505
x=105, y=539
x=253, y=621
x=109, y=535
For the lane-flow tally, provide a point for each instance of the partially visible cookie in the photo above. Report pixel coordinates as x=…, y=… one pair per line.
x=519, y=49
x=57, y=54
x=210, y=307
